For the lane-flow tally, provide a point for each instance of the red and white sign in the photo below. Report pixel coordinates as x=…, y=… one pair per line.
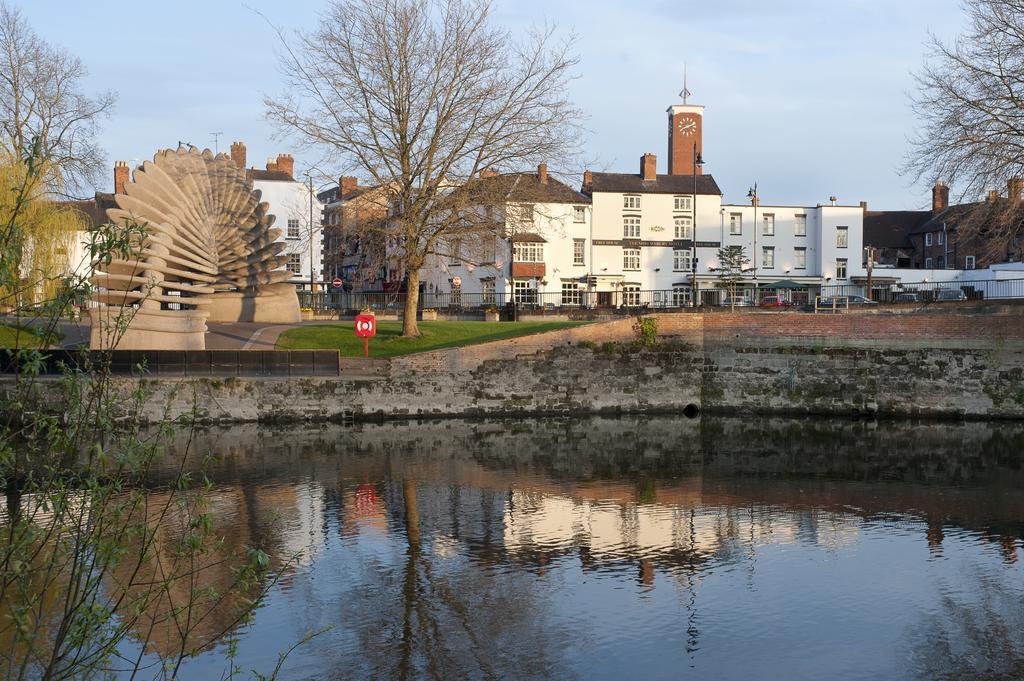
x=456, y=281
x=366, y=326
x=336, y=282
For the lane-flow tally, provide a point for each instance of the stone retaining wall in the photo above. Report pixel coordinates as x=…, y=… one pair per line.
x=921, y=365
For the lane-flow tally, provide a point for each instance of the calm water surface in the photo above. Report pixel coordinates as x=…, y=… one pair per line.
x=655, y=548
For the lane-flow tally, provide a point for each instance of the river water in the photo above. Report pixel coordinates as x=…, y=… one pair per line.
x=621, y=548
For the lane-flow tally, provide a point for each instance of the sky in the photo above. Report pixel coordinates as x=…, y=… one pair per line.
x=808, y=98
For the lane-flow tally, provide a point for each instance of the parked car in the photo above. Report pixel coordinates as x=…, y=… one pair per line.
x=945, y=294
x=775, y=302
x=843, y=301
x=738, y=301
x=908, y=297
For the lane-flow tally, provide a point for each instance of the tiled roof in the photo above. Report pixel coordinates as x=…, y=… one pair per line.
x=272, y=175
x=527, y=187
x=891, y=228
x=663, y=184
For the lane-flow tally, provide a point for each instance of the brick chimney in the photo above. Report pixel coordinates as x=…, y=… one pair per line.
x=348, y=184
x=864, y=206
x=588, y=181
x=121, y=176
x=1013, y=188
x=271, y=164
x=940, y=198
x=542, y=173
x=648, y=167
x=286, y=164
x=238, y=154
x=993, y=196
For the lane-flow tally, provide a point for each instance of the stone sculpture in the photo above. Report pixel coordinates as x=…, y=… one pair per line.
x=208, y=253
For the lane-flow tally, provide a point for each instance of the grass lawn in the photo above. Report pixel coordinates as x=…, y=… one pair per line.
x=389, y=343
x=22, y=337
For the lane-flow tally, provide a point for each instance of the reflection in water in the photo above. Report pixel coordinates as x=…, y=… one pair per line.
x=639, y=547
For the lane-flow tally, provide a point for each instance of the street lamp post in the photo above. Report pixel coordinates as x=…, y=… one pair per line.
x=752, y=194
x=697, y=162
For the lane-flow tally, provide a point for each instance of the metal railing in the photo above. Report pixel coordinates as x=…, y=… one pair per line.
x=632, y=301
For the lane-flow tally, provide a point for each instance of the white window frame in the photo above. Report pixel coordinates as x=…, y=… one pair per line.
x=523, y=293
x=928, y=239
x=579, y=214
x=842, y=237
x=768, y=257
x=682, y=203
x=295, y=263
x=736, y=224
x=681, y=295
x=768, y=225
x=527, y=251
x=631, y=202
x=941, y=238
x=631, y=227
x=928, y=264
x=683, y=227
x=293, y=228
x=969, y=262
x=488, y=291
x=682, y=259
x=455, y=252
x=800, y=224
x=571, y=294
x=579, y=252
x=800, y=258
x=842, y=271
x=631, y=259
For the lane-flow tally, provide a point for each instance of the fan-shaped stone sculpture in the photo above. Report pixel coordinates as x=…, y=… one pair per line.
x=207, y=252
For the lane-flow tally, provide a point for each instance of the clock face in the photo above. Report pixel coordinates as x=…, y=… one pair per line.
x=687, y=126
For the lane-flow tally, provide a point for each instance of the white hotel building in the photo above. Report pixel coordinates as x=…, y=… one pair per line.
x=630, y=239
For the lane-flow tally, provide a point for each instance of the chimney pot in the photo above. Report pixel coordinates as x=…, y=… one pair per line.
x=542, y=173
x=286, y=164
x=122, y=174
x=940, y=198
x=648, y=167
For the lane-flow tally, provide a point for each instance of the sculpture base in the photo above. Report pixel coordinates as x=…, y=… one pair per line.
x=276, y=304
x=140, y=329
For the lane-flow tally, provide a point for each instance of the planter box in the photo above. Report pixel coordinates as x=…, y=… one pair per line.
x=492, y=316
x=429, y=315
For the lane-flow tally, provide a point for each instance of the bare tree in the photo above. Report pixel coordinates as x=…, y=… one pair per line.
x=423, y=95
x=42, y=105
x=970, y=100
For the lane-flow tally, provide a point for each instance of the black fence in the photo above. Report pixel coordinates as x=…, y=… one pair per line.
x=630, y=300
x=267, y=363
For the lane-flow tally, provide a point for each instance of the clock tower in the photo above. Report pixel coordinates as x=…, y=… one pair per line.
x=685, y=127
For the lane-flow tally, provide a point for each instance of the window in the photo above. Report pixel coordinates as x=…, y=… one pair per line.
x=942, y=237
x=940, y=263
x=487, y=291
x=456, y=300
x=800, y=226
x=631, y=227
x=684, y=227
x=683, y=203
x=293, y=228
x=578, y=251
x=768, y=257
x=579, y=214
x=768, y=225
x=735, y=223
x=295, y=263
x=525, y=213
x=928, y=263
x=490, y=249
x=841, y=268
x=523, y=293
x=681, y=259
x=800, y=258
x=968, y=262
x=680, y=295
x=928, y=239
x=570, y=293
x=842, y=237
x=528, y=251
x=455, y=256
x=631, y=295
x=630, y=258
x=631, y=202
